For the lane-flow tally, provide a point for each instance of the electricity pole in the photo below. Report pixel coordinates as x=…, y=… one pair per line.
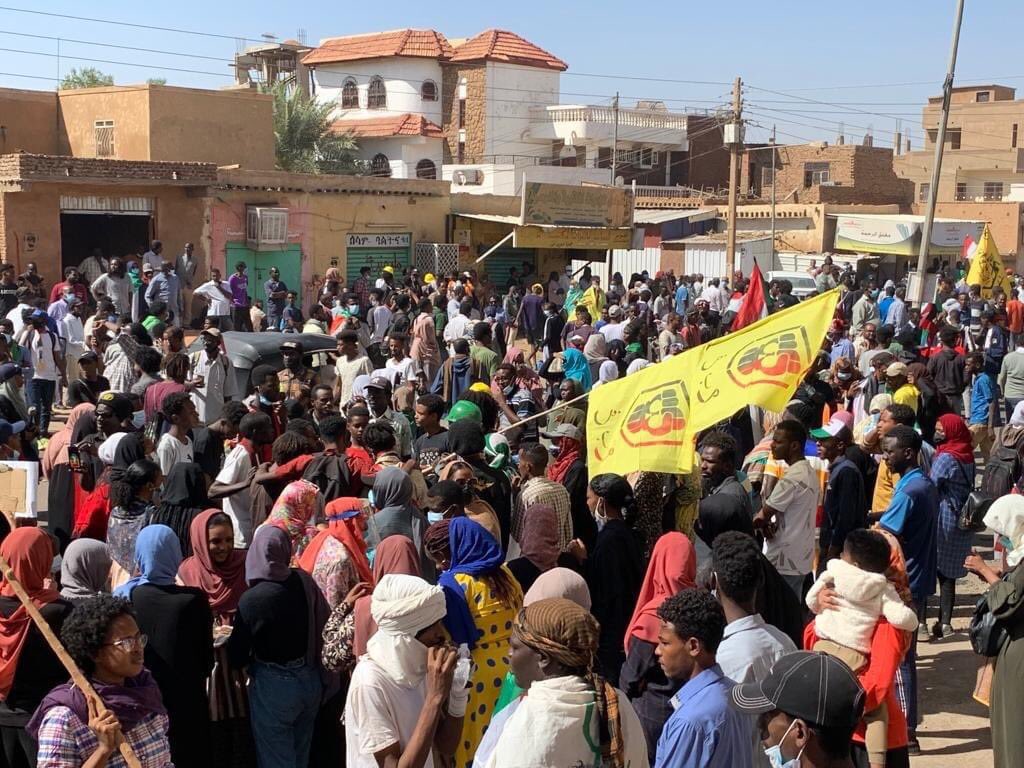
x=772, y=265
x=734, y=138
x=940, y=142
x=615, y=135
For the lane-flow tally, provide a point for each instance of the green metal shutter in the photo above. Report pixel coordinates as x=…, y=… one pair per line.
x=376, y=259
x=499, y=265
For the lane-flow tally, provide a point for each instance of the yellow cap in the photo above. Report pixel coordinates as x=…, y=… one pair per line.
x=428, y=278
x=390, y=269
x=479, y=387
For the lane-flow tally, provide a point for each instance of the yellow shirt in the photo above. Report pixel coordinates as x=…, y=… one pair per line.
x=907, y=395
x=885, y=482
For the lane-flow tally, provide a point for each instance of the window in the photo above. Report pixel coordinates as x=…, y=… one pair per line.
x=104, y=138
x=461, y=155
x=922, y=194
x=463, y=88
x=380, y=165
x=954, y=138
x=377, y=95
x=428, y=91
x=815, y=174
x=350, y=94
x=266, y=227
x=933, y=135
x=1013, y=136
x=982, y=96
x=961, y=191
x=647, y=158
x=993, y=190
x=425, y=169
x=767, y=177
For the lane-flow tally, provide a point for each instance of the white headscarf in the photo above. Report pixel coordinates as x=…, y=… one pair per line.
x=402, y=606
x=108, y=447
x=609, y=372
x=639, y=364
x=1006, y=517
x=1017, y=419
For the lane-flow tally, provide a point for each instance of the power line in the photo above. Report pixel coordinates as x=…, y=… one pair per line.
x=114, y=45
x=120, y=63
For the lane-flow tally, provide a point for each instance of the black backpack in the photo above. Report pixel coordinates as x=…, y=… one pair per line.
x=1001, y=471
x=329, y=473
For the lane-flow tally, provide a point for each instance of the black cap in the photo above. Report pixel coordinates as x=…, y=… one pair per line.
x=119, y=403
x=288, y=345
x=379, y=382
x=815, y=687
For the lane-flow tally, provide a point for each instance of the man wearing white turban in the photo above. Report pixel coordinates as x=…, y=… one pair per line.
x=400, y=702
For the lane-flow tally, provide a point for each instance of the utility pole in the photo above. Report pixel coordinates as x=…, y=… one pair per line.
x=615, y=135
x=940, y=142
x=734, y=138
x=774, y=151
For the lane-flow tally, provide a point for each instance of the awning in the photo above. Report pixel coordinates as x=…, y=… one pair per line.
x=550, y=236
x=655, y=216
x=901, y=235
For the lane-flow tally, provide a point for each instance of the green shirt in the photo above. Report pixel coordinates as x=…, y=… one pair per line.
x=486, y=357
x=150, y=321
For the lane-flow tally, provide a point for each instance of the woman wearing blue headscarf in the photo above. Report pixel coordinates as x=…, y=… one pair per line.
x=575, y=366
x=179, y=652
x=483, y=598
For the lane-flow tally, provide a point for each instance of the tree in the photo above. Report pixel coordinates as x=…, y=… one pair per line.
x=157, y=81
x=304, y=141
x=86, y=77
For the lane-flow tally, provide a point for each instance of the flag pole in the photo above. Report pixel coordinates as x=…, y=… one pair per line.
x=61, y=653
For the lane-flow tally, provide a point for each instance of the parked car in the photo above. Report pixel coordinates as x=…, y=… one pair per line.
x=803, y=283
x=246, y=350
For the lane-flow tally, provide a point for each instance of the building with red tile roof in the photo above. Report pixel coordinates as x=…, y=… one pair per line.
x=392, y=125
x=415, y=43
x=507, y=47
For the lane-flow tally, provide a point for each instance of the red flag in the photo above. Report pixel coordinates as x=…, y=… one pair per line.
x=755, y=302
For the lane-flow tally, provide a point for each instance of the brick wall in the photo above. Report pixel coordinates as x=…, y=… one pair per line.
x=25, y=166
x=707, y=162
x=859, y=174
x=476, y=110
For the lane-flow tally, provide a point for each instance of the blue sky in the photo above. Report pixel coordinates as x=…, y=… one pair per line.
x=894, y=52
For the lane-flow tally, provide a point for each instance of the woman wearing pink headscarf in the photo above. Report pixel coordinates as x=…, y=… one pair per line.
x=424, y=341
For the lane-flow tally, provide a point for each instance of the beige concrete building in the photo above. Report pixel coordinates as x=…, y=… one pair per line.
x=141, y=122
x=983, y=155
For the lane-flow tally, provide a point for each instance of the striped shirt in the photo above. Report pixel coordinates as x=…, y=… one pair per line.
x=540, y=490
x=66, y=742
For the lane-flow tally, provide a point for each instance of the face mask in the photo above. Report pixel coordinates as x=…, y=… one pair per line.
x=139, y=419
x=507, y=390
x=774, y=754
x=435, y=517
x=599, y=515
x=264, y=400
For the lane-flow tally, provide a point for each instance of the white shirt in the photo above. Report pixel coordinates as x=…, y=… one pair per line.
x=456, y=329
x=220, y=305
x=40, y=346
x=795, y=496
x=613, y=331
x=378, y=713
x=453, y=308
x=153, y=259
x=237, y=465
x=170, y=451
x=72, y=329
x=15, y=317
x=400, y=371
x=218, y=385
x=346, y=371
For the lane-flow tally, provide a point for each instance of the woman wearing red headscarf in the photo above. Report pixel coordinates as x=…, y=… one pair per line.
x=28, y=668
x=570, y=470
x=673, y=568
x=336, y=557
x=953, y=475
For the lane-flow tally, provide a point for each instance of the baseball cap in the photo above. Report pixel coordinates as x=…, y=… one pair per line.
x=120, y=404
x=147, y=267
x=839, y=421
x=428, y=278
x=88, y=357
x=39, y=314
x=9, y=370
x=896, y=369
x=215, y=332
x=7, y=429
x=296, y=345
x=815, y=687
x=379, y=382
x=615, y=311
x=563, y=430
x=479, y=386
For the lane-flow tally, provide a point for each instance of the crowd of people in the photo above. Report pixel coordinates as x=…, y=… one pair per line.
x=391, y=554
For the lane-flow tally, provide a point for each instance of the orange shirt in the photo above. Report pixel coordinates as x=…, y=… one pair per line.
x=1015, y=315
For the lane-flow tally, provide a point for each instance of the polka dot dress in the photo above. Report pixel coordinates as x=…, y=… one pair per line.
x=490, y=658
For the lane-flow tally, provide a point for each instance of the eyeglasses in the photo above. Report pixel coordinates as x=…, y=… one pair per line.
x=129, y=644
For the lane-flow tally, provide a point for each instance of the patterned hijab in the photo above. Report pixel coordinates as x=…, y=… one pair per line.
x=293, y=513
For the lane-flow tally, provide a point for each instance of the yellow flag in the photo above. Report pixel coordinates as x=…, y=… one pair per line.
x=649, y=420
x=987, y=268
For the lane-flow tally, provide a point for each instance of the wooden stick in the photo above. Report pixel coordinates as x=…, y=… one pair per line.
x=61, y=653
x=544, y=413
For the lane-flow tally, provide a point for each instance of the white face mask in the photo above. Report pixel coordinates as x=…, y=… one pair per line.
x=600, y=516
x=138, y=419
x=774, y=754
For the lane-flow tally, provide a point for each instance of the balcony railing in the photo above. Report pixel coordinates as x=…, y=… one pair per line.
x=630, y=118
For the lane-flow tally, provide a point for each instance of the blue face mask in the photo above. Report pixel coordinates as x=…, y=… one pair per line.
x=138, y=419
x=1007, y=543
x=435, y=517
x=774, y=754
x=264, y=400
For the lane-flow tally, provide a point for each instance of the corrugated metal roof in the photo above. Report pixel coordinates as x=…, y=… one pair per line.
x=655, y=216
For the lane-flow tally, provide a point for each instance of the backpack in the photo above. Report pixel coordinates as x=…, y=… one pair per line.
x=329, y=473
x=1001, y=471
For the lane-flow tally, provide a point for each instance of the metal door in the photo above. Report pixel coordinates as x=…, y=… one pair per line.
x=376, y=259
x=499, y=264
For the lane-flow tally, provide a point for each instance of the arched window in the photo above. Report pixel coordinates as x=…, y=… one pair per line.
x=350, y=94
x=380, y=165
x=425, y=169
x=428, y=91
x=377, y=96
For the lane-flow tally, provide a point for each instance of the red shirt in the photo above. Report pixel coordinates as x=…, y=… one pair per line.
x=1015, y=315
x=888, y=646
x=360, y=463
x=58, y=290
x=155, y=394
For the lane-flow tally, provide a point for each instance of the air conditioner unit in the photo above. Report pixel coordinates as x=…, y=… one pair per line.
x=828, y=184
x=468, y=176
x=266, y=228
